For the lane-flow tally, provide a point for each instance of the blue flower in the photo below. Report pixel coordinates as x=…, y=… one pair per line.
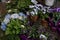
x=14, y=16
x=3, y=26
x=22, y=16
x=7, y=16
x=6, y=21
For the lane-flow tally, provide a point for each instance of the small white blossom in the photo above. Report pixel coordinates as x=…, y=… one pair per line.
x=20, y=17
x=39, y=5
x=27, y=13
x=34, y=1
x=8, y=1
x=43, y=37
x=14, y=16
x=9, y=10
x=43, y=10
x=36, y=11
x=31, y=6
x=32, y=13
x=22, y=26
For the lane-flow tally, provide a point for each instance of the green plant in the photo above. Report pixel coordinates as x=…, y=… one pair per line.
x=15, y=26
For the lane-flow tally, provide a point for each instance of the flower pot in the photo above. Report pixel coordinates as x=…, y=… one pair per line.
x=44, y=23
x=34, y=18
x=49, y=2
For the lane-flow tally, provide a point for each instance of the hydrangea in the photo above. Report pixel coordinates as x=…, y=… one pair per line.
x=13, y=16
x=7, y=16
x=22, y=16
x=6, y=21
x=3, y=26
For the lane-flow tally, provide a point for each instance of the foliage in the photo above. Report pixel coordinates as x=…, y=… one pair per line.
x=19, y=5
x=14, y=27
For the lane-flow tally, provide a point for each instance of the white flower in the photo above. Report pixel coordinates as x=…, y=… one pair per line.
x=31, y=6
x=27, y=13
x=32, y=13
x=36, y=11
x=34, y=1
x=8, y=2
x=43, y=37
x=43, y=10
x=14, y=16
x=20, y=17
x=9, y=11
x=22, y=26
x=39, y=5
x=36, y=7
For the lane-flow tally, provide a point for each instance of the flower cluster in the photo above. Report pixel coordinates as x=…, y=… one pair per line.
x=8, y=17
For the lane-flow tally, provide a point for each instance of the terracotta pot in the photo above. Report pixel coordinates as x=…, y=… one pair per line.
x=44, y=23
x=34, y=18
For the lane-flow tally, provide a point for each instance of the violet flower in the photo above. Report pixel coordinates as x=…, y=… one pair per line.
x=52, y=10
x=58, y=26
x=55, y=10
x=58, y=10
x=23, y=37
x=58, y=23
x=52, y=25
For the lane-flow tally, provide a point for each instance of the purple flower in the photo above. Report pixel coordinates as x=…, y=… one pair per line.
x=58, y=26
x=55, y=10
x=23, y=37
x=58, y=9
x=58, y=23
x=52, y=10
